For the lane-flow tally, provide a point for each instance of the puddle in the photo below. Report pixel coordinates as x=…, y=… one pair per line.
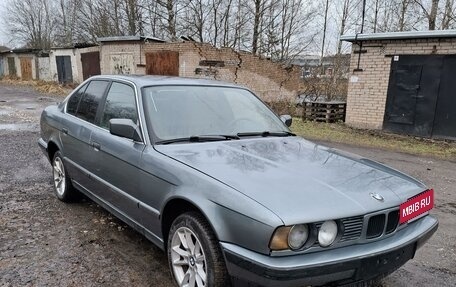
x=18, y=127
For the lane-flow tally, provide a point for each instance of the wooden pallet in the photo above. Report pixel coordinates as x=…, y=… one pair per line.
x=328, y=112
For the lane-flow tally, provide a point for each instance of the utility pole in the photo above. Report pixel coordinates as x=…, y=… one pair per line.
x=324, y=37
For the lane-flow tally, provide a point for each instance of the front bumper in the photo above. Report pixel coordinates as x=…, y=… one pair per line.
x=337, y=266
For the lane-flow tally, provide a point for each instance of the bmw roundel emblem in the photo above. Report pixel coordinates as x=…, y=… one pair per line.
x=377, y=196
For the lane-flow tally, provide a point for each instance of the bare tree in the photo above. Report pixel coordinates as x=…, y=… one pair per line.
x=32, y=22
x=430, y=13
x=349, y=16
x=448, y=15
x=170, y=8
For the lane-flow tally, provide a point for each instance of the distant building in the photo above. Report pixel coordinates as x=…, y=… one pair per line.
x=124, y=54
x=313, y=65
x=4, y=48
x=21, y=63
x=2, y=62
x=403, y=82
x=73, y=64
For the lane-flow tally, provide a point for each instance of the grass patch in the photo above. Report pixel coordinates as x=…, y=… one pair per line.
x=340, y=133
x=40, y=86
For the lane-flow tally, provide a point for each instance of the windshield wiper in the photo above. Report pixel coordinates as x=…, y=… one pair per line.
x=266, y=134
x=202, y=138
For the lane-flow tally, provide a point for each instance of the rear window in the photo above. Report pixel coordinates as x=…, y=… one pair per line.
x=89, y=103
x=74, y=100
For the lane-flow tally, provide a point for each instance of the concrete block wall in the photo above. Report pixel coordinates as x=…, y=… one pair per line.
x=271, y=81
x=126, y=54
x=44, y=66
x=367, y=90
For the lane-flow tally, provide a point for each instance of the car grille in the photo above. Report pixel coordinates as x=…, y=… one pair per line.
x=353, y=228
x=376, y=224
x=393, y=221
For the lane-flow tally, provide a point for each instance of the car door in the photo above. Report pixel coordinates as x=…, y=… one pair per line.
x=69, y=136
x=82, y=160
x=117, y=158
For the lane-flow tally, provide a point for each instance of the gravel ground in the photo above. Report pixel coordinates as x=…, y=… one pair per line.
x=44, y=242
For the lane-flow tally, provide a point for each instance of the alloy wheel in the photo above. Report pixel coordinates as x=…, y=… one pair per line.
x=59, y=176
x=188, y=259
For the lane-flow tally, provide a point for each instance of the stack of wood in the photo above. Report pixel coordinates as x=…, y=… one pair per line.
x=328, y=112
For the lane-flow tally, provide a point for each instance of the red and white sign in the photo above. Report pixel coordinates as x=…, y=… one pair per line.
x=416, y=206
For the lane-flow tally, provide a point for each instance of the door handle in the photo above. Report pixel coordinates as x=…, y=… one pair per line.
x=65, y=131
x=95, y=146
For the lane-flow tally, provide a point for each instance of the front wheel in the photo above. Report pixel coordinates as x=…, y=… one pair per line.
x=194, y=254
x=62, y=182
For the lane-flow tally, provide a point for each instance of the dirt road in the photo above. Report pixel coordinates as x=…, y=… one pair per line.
x=44, y=242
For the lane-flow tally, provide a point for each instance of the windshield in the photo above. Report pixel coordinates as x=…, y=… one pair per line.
x=189, y=111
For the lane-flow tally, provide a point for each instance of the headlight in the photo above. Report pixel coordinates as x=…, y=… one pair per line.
x=279, y=239
x=287, y=237
x=297, y=236
x=327, y=233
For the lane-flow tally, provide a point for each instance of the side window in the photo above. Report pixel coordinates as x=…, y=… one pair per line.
x=120, y=104
x=74, y=100
x=89, y=103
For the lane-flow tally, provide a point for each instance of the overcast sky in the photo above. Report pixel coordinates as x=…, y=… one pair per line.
x=3, y=35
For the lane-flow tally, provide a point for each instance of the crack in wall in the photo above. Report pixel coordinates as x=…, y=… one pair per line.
x=288, y=70
x=238, y=66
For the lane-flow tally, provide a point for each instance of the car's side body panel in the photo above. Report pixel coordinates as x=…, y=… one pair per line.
x=116, y=160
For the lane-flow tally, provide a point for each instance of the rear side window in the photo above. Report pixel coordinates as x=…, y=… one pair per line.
x=120, y=104
x=89, y=103
x=74, y=100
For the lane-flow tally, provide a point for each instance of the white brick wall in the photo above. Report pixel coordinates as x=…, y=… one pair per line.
x=367, y=90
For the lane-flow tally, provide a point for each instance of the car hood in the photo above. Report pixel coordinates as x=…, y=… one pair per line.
x=296, y=179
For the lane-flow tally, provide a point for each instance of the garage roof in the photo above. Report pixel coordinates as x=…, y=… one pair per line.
x=400, y=35
x=129, y=38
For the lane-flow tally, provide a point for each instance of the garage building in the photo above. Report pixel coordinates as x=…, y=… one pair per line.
x=404, y=82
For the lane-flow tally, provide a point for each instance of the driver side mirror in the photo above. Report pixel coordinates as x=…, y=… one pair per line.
x=125, y=128
x=286, y=119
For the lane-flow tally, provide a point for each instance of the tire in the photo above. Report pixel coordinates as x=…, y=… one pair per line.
x=63, y=188
x=189, y=264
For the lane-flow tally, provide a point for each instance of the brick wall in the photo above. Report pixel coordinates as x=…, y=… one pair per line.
x=367, y=90
x=271, y=81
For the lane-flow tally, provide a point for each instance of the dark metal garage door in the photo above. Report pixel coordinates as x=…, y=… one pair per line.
x=64, y=71
x=11, y=66
x=445, y=112
x=420, y=97
x=90, y=64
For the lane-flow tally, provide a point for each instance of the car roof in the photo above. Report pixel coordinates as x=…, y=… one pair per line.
x=150, y=80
